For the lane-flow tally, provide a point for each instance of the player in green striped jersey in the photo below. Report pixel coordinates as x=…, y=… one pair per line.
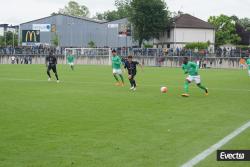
x=191, y=69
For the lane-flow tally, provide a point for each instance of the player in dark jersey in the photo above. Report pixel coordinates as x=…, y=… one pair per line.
x=51, y=62
x=130, y=65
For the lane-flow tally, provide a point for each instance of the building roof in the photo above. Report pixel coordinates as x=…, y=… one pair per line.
x=188, y=21
x=82, y=18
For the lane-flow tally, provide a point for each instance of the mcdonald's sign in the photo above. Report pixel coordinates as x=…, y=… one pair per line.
x=30, y=36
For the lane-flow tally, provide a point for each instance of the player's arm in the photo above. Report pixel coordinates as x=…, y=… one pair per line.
x=137, y=63
x=125, y=67
x=118, y=61
x=46, y=61
x=67, y=58
x=142, y=69
x=184, y=69
x=55, y=60
x=194, y=65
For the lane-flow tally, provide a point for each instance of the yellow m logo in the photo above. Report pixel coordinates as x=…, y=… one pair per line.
x=30, y=36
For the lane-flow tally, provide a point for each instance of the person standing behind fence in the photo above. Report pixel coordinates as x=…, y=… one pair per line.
x=17, y=60
x=242, y=62
x=13, y=58
x=30, y=59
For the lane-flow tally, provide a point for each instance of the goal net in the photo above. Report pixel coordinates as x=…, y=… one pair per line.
x=101, y=56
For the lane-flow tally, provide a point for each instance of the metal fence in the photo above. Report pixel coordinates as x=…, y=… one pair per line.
x=148, y=57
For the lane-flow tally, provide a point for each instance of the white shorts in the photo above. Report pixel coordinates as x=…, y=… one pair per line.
x=196, y=79
x=117, y=71
x=249, y=72
x=71, y=64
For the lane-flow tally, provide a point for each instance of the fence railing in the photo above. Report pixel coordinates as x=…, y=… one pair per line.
x=161, y=61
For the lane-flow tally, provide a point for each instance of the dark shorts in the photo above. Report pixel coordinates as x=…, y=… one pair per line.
x=133, y=75
x=52, y=67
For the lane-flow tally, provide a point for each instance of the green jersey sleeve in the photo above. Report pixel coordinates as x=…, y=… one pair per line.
x=184, y=68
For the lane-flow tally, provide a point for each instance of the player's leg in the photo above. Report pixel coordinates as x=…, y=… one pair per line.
x=249, y=73
x=122, y=79
x=186, y=86
x=48, y=72
x=133, y=81
x=119, y=72
x=55, y=71
x=72, y=66
x=115, y=76
x=198, y=83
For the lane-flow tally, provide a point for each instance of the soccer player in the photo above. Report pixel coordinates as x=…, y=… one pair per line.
x=71, y=59
x=130, y=65
x=248, y=64
x=191, y=69
x=116, y=65
x=51, y=62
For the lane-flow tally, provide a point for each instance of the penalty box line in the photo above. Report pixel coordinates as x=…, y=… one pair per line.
x=198, y=158
x=105, y=83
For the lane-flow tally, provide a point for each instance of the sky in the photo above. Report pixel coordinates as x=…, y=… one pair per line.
x=19, y=11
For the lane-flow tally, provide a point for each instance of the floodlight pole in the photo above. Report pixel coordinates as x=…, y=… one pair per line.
x=126, y=54
x=174, y=37
x=13, y=35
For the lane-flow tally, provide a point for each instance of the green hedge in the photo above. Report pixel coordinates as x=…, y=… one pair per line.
x=198, y=45
x=243, y=47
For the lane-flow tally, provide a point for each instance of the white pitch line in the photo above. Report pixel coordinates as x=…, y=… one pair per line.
x=103, y=83
x=216, y=146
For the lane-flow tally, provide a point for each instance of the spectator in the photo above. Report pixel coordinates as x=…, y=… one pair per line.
x=242, y=62
x=13, y=59
x=30, y=59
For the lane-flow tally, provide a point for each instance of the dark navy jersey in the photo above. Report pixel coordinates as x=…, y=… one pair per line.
x=131, y=67
x=51, y=60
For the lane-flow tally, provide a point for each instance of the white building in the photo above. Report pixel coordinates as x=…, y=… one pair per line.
x=186, y=29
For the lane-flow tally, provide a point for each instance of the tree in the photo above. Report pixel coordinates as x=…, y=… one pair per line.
x=225, y=29
x=149, y=18
x=74, y=9
x=8, y=37
x=55, y=40
x=91, y=44
x=122, y=11
x=245, y=23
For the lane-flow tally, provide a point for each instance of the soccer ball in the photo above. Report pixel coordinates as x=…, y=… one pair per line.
x=164, y=89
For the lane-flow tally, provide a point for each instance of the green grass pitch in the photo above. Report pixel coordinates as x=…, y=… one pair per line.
x=85, y=121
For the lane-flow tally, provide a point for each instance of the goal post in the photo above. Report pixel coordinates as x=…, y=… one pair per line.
x=89, y=53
